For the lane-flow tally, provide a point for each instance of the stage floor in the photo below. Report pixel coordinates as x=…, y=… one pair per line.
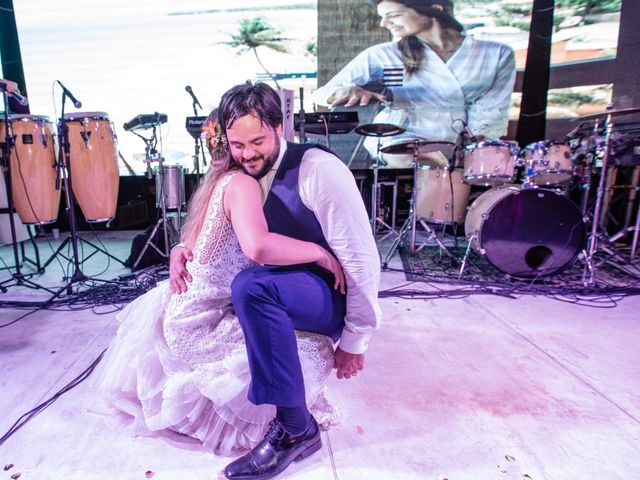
x=482, y=387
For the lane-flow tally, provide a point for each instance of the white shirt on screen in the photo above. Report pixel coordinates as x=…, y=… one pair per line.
x=474, y=85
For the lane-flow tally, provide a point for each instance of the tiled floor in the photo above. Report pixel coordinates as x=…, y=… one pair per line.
x=480, y=388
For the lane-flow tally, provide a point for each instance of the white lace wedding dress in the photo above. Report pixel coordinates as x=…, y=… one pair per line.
x=179, y=362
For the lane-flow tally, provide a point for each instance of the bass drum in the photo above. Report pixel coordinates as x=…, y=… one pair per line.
x=526, y=233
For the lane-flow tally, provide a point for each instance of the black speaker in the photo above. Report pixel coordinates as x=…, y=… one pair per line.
x=150, y=256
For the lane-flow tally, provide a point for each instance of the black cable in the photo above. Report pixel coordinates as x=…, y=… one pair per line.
x=22, y=421
x=31, y=207
x=616, y=279
x=23, y=316
x=89, y=294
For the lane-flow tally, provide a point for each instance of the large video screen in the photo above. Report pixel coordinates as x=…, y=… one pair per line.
x=126, y=58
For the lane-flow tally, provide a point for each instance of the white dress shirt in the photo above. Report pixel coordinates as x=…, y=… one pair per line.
x=327, y=188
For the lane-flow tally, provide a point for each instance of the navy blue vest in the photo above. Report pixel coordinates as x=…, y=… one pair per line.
x=284, y=210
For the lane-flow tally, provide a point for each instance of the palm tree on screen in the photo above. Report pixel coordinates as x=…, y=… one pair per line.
x=255, y=33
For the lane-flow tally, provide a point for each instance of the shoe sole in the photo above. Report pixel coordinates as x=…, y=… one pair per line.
x=307, y=452
x=310, y=450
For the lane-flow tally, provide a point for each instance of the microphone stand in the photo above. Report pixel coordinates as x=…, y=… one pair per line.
x=198, y=146
x=64, y=162
x=302, y=137
x=18, y=277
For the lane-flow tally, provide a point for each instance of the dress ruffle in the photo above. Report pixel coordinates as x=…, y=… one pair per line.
x=142, y=378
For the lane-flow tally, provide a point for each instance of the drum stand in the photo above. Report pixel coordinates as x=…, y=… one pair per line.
x=635, y=189
x=375, y=206
x=151, y=155
x=412, y=220
x=588, y=275
x=636, y=231
x=378, y=130
x=18, y=278
x=64, y=166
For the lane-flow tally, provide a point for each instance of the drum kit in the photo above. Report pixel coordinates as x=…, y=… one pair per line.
x=524, y=225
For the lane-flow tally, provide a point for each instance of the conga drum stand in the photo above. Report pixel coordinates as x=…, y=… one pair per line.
x=64, y=166
x=18, y=278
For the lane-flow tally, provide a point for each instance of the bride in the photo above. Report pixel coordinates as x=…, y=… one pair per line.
x=178, y=361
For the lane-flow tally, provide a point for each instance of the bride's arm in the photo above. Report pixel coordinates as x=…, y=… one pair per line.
x=243, y=206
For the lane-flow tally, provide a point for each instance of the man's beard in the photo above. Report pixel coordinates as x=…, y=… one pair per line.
x=269, y=161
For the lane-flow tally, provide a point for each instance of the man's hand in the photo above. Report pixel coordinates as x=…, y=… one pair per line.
x=352, y=96
x=331, y=264
x=348, y=364
x=178, y=273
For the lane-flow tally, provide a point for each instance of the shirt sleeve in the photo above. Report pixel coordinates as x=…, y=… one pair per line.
x=357, y=72
x=489, y=115
x=328, y=188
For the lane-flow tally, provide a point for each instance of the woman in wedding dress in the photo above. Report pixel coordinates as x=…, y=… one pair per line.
x=178, y=361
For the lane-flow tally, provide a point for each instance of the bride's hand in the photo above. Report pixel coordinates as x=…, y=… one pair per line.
x=178, y=273
x=331, y=264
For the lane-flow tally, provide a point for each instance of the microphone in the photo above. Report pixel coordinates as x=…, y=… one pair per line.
x=21, y=99
x=193, y=96
x=74, y=100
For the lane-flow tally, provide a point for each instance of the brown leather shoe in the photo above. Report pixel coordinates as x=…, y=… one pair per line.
x=276, y=451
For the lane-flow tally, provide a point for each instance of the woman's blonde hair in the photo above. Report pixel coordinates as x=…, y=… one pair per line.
x=222, y=162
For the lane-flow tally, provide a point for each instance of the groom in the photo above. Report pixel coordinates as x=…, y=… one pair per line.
x=308, y=194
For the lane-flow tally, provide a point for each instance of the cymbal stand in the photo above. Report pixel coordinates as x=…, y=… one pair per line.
x=18, y=278
x=412, y=220
x=152, y=155
x=588, y=276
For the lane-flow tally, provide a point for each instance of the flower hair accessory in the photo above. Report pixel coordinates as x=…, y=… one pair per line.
x=212, y=134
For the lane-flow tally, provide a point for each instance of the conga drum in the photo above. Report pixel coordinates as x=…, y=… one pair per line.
x=33, y=173
x=93, y=164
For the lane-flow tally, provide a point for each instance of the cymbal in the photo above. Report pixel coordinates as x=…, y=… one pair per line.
x=420, y=146
x=379, y=130
x=606, y=113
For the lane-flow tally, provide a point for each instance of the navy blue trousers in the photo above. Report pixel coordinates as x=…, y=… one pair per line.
x=270, y=303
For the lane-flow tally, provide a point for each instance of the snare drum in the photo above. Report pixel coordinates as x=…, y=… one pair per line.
x=33, y=173
x=548, y=163
x=94, y=164
x=171, y=185
x=526, y=232
x=434, y=200
x=490, y=163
